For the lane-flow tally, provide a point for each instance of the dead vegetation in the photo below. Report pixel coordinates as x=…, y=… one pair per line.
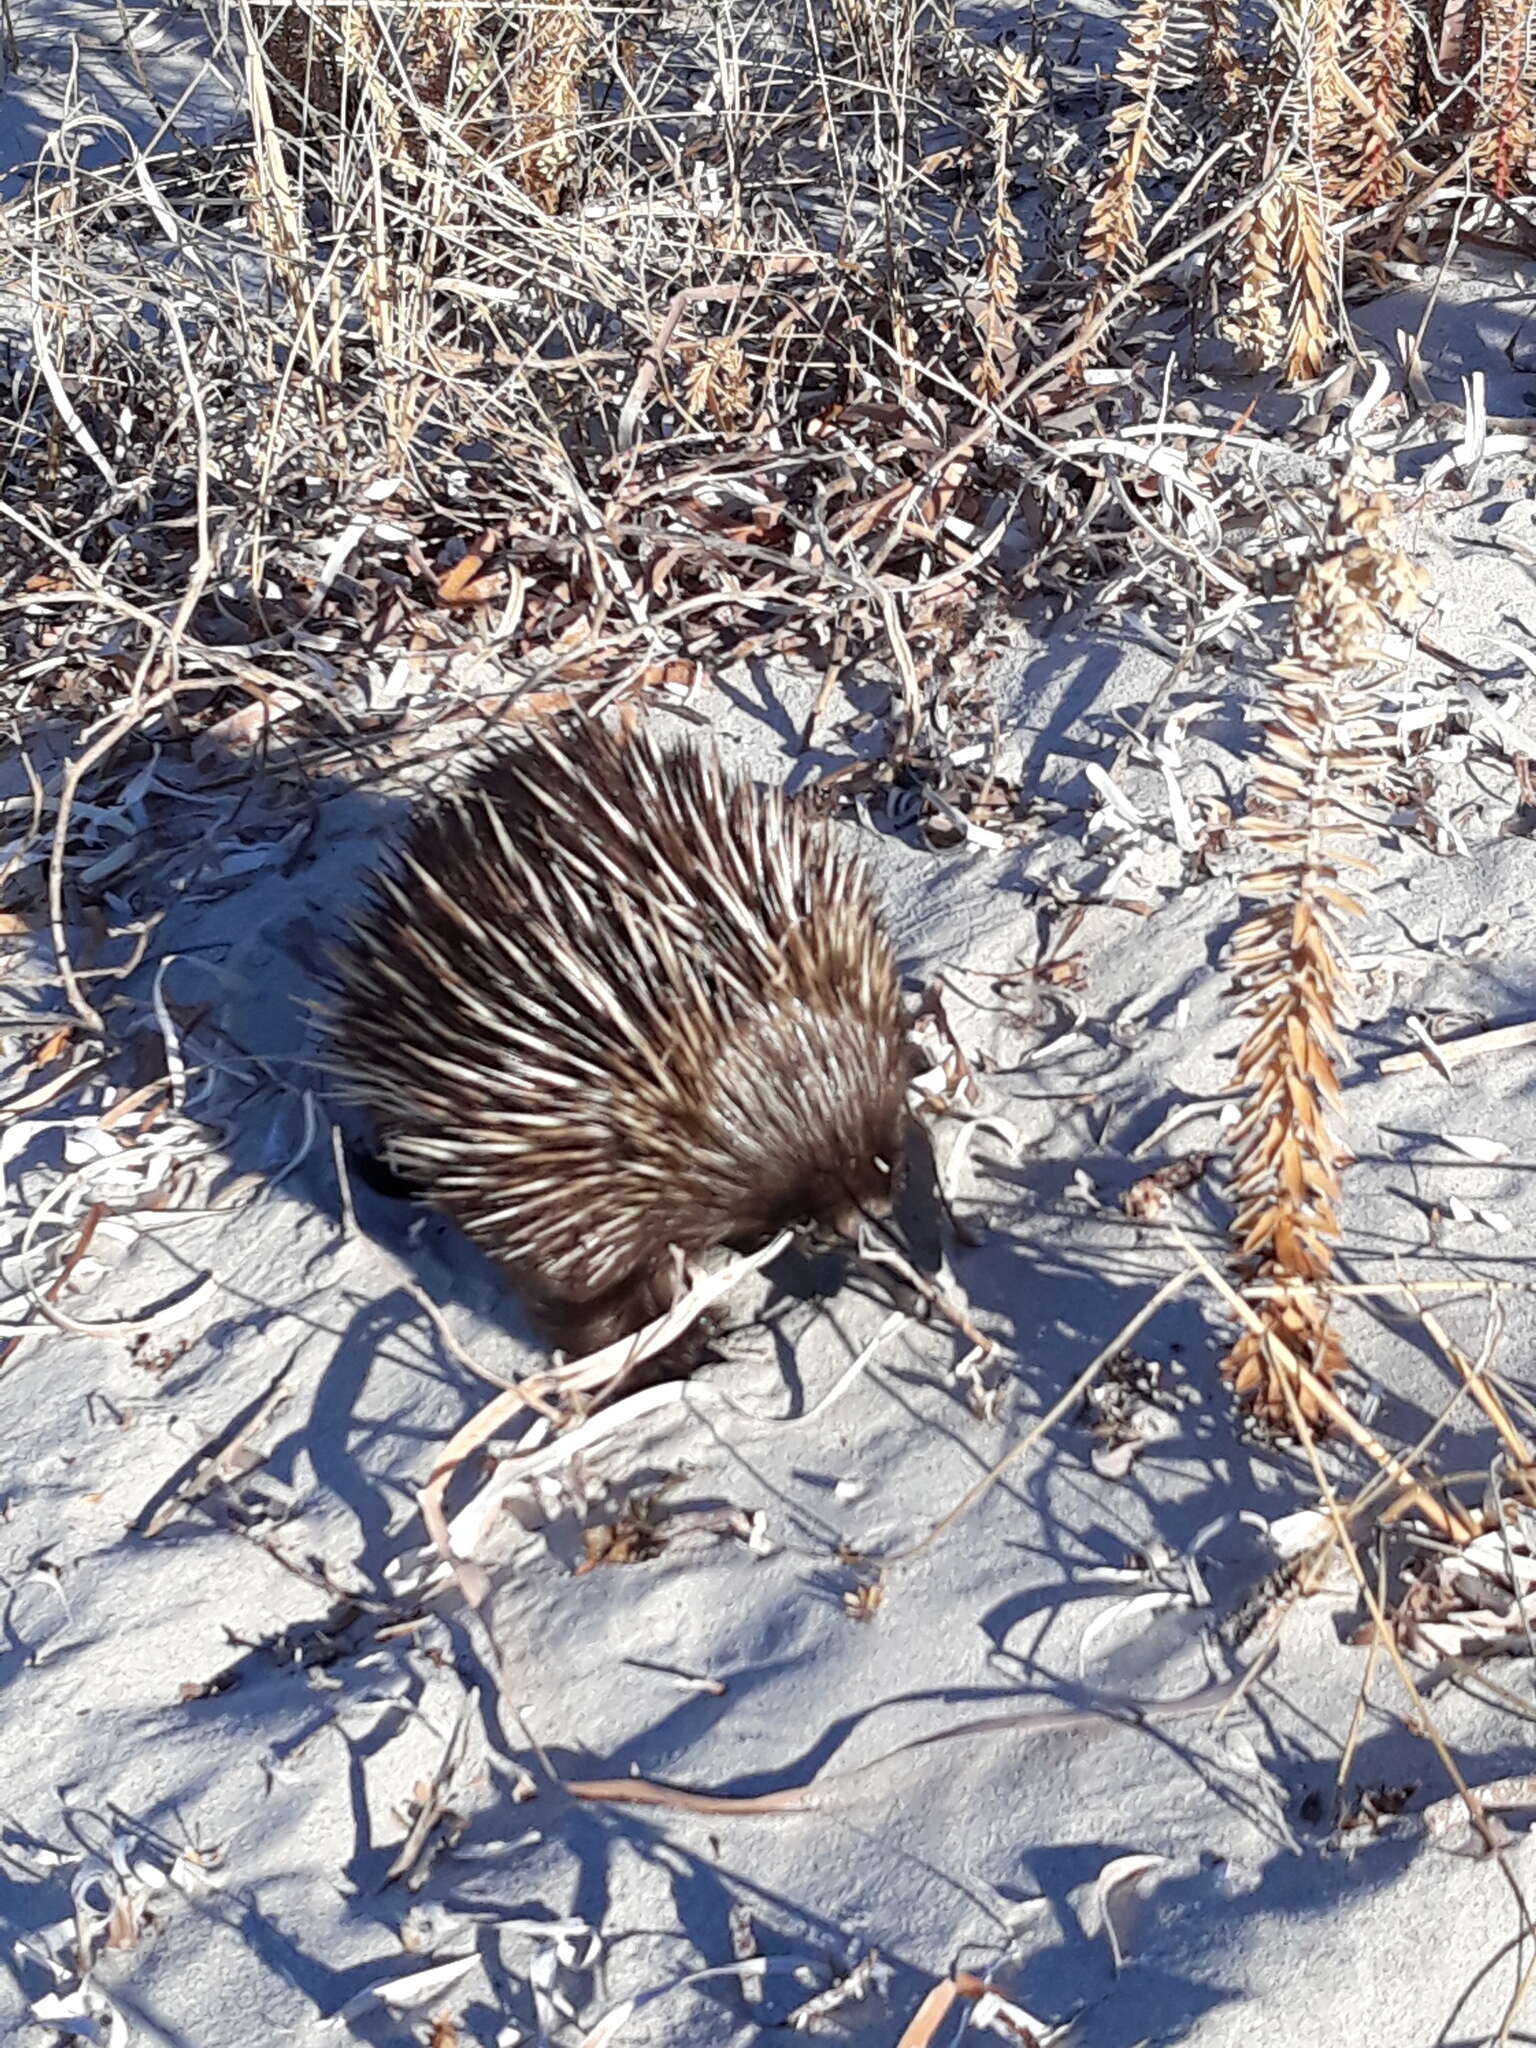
x=704, y=336
x=1315, y=797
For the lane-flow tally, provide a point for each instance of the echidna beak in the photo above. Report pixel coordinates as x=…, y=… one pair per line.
x=905, y=1216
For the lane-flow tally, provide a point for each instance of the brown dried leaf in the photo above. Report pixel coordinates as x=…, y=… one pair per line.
x=463, y=583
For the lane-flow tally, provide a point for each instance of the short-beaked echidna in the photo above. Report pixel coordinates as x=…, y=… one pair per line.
x=611, y=999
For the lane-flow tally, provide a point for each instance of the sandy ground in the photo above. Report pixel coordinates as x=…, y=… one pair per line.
x=213, y=1741
x=79, y=87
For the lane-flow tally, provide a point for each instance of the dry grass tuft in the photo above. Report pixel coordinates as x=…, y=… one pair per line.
x=1329, y=118
x=715, y=333
x=455, y=91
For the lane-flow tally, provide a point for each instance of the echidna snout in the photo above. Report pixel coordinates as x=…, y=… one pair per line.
x=609, y=1004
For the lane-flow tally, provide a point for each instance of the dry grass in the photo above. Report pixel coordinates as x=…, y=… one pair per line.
x=1155, y=65
x=708, y=334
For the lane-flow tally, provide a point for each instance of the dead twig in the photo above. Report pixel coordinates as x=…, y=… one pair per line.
x=1452, y=1052
x=824, y=1792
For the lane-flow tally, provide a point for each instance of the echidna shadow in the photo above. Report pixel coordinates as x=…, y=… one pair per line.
x=609, y=1006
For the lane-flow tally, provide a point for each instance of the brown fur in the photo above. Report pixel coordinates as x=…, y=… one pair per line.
x=611, y=1000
